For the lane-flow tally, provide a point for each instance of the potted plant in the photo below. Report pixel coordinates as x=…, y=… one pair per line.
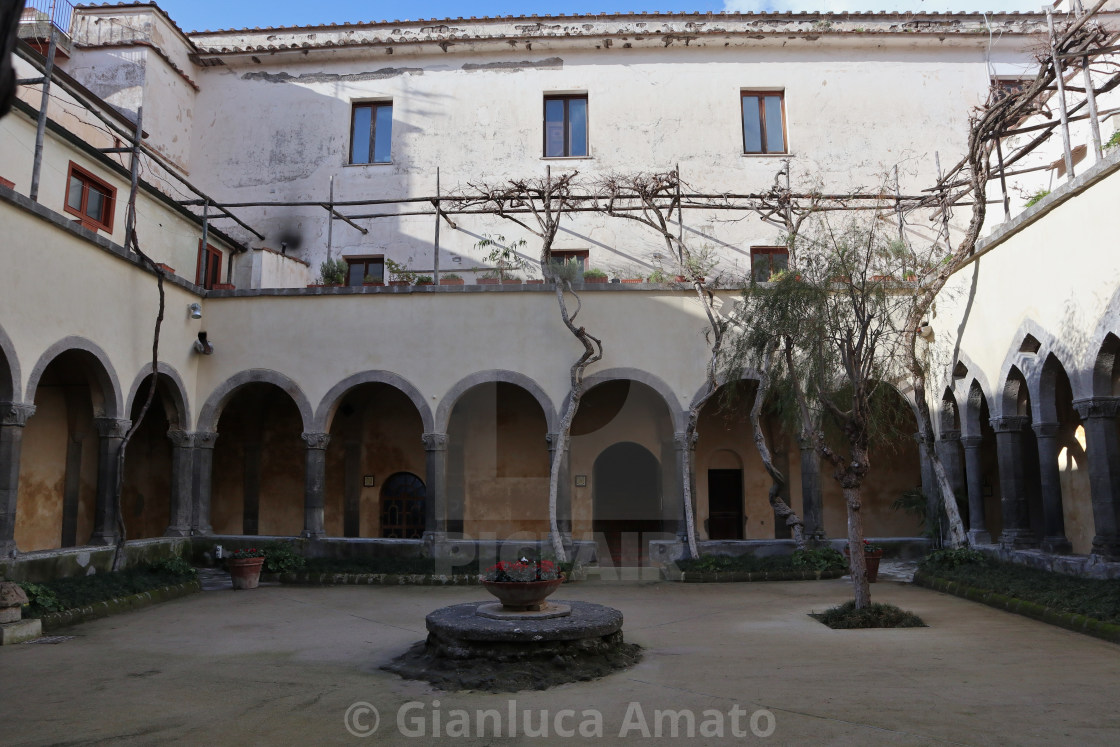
x=370, y=280
x=872, y=554
x=450, y=278
x=490, y=277
x=657, y=276
x=423, y=279
x=399, y=273
x=245, y=567
x=522, y=585
x=505, y=257
x=594, y=275
x=332, y=272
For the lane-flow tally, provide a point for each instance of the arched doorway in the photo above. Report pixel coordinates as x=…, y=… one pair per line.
x=402, y=506
x=627, y=501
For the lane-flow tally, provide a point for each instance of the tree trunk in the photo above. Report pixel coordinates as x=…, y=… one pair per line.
x=781, y=508
x=855, y=548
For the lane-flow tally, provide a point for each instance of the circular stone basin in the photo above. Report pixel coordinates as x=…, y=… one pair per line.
x=475, y=646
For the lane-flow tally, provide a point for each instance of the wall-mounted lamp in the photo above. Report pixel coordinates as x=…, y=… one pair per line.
x=195, y=310
x=202, y=345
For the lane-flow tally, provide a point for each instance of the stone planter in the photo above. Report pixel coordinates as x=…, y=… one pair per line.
x=522, y=595
x=245, y=572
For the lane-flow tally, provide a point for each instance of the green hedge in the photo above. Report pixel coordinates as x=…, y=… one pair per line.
x=82, y=591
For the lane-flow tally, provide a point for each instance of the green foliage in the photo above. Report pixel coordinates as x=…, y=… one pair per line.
x=1037, y=197
x=913, y=502
x=954, y=557
x=740, y=563
x=819, y=559
x=450, y=276
x=423, y=279
x=846, y=616
x=333, y=272
x=658, y=276
x=40, y=600
x=505, y=256
x=81, y=591
x=594, y=272
x=567, y=271
x=175, y=566
x=280, y=557
x=1099, y=599
x=1112, y=141
x=398, y=271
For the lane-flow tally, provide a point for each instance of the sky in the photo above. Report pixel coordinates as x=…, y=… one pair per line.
x=198, y=15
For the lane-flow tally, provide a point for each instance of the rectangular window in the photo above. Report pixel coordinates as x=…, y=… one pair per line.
x=90, y=198
x=371, y=132
x=768, y=260
x=565, y=126
x=764, y=128
x=209, y=270
x=358, y=269
x=578, y=256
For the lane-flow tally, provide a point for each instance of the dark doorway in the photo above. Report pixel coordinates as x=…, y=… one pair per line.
x=627, y=502
x=402, y=506
x=725, y=504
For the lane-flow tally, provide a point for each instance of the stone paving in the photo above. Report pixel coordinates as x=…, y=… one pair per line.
x=298, y=665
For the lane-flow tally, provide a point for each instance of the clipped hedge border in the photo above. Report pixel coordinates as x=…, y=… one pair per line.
x=701, y=577
x=1068, y=620
x=305, y=578
x=97, y=610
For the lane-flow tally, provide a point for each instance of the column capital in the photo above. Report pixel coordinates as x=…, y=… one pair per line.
x=682, y=441
x=553, y=440
x=972, y=442
x=950, y=435
x=1010, y=423
x=316, y=440
x=205, y=439
x=918, y=438
x=435, y=441
x=112, y=427
x=181, y=439
x=1047, y=430
x=1097, y=407
x=15, y=413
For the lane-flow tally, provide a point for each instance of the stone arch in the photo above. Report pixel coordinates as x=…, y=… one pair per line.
x=212, y=410
x=745, y=375
x=9, y=369
x=677, y=414
x=950, y=414
x=1015, y=396
x=976, y=400
x=493, y=376
x=174, y=395
x=328, y=406
x=107, y=399
x=1106, y=368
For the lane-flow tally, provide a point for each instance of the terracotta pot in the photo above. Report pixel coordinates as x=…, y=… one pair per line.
x=535, y=282
x=399, y=282
x=442, y=281
x=487, y=281
x=633, y=280
x=509, y=281
x=245, y=572
x=871, y=560
x=596, y=280
x=522, y=595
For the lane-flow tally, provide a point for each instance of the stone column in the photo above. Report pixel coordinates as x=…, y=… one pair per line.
x=930, y=491
x=948, y=451
x=13, y=417
x=974, y=479
x=563, y=488
x=314, y=483
x=1103, y=447
x=435, y=505
x=1053, y=522
x=1012, y=483
x=111, y=433
x=811, y=511
x=202, y=469
x=182, y=457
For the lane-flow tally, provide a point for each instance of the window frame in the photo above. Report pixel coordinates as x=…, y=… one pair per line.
x=373, y=105
x=199, y=279
x=364, y=260
x=566, y=98
x=761, y=95
x=583, y=256
x=770, y=252
x=87, y=179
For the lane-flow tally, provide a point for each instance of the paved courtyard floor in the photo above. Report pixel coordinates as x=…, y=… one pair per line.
x=285, y=665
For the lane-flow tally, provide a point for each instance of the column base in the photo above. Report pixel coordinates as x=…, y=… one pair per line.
x=1018, y=539
x=206, y=531
x=1108, y=548
x=312, y=535
x=177, y=532
x=103, y=539
x=980, y=536
x=8, y=549
x=1056, y=545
